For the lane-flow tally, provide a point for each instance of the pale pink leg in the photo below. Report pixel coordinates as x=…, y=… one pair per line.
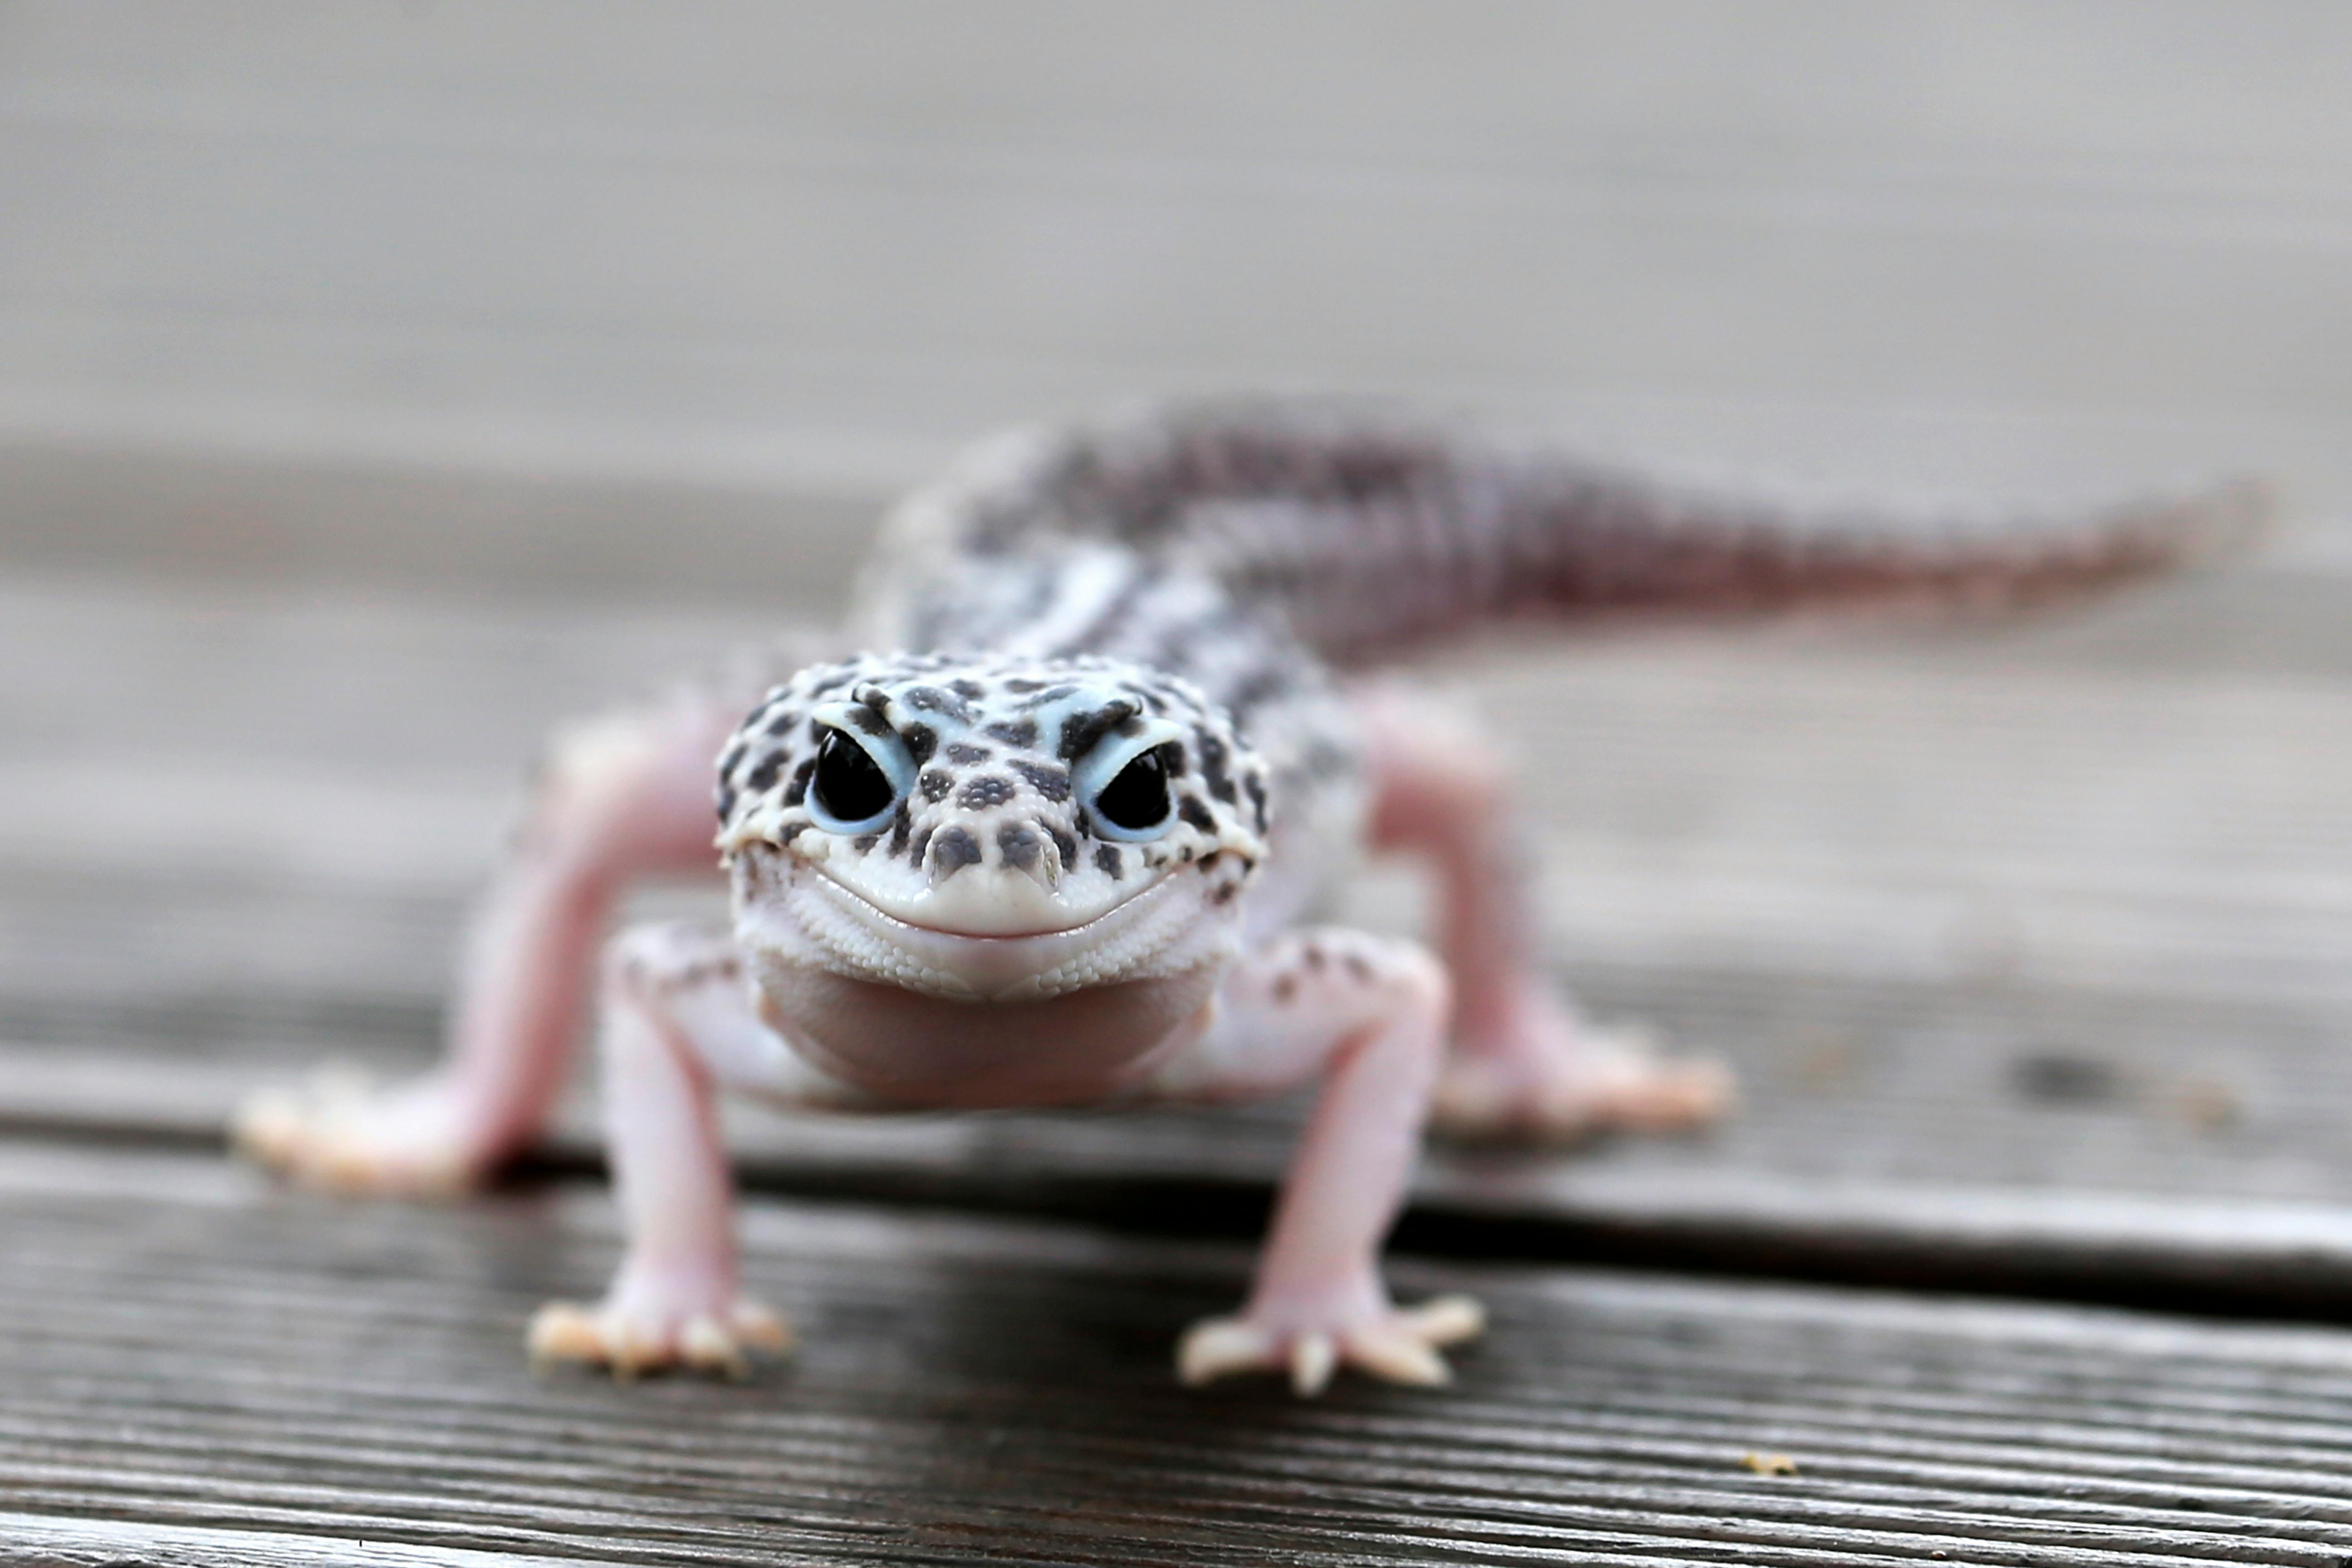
x=621, y=798
x=673, y=1000
x=1524, y=1063
x=1370, y=1013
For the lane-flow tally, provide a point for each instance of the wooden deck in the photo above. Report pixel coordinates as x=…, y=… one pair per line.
x=378, y=386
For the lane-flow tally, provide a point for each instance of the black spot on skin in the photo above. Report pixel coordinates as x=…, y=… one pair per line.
x=1213, y=769
x=931, y=699
x=1110, y=862
x=901, y=825
x=1314, y=957
x=834, y=682
x=1014, y=731
x=1019, y=846
x=1209, y=862
x=726, y=800
x=1256, y=788
x=1024, y=688
x=1080, y=732
x=922, y=843
x=731, y=755
x=965, y=756
x=791, y=830
x=935, y=783
x=987, y=790
x=954, y=849
x=762, y=776
x=864, y=841
x=1285, y=986
x=1224, y=893
x=782, y=722
x=1359, y=968
x=866, y=721
x=1065, y=845
x=1190, y=809
x=919, y=739
x=797, y=791
x=1047, y=780
x=968, y=690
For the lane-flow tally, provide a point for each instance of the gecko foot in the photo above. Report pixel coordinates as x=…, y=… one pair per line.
x=638, y=1331
x=339, y=1133
x=1554, y=1077
x=1398, y=1344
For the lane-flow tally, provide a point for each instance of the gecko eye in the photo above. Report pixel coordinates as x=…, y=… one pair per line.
x=851, y=793
x=1136, y=798
x=1125, y=782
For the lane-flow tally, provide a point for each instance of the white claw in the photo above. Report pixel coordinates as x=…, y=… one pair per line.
x=760, y=1329
x=1219, y=1346
x=1399, y=1346
x=631, y=1342
x=1446, y=1320
x=1399, y=1355
x=1313, y=1358
x=562, y=1331
x=702, y=1343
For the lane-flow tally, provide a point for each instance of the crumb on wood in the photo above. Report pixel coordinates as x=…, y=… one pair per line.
x=1765, y=1464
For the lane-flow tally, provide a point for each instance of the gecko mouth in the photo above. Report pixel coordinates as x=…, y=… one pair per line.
x=1156, y=930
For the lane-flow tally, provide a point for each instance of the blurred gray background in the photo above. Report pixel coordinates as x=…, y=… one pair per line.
x=764, y=252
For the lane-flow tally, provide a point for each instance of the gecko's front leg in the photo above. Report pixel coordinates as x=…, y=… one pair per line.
x=1369, y=1013
x=677, y=1022
x=621, y=796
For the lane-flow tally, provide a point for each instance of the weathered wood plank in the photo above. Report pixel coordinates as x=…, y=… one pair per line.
x=186, y=1352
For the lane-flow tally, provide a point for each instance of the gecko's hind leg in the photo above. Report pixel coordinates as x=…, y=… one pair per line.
x=1526, y=1063
x=678, y=1020
x=619, y=797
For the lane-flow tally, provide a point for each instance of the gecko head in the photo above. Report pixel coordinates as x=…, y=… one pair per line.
x=940, y=815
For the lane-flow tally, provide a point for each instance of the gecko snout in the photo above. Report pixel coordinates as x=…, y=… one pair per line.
x=1024, y=848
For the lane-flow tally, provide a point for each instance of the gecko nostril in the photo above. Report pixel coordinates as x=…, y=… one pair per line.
x=950, y=850
x=1027, y=850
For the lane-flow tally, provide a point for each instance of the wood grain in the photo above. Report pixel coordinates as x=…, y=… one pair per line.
x=186, y=1351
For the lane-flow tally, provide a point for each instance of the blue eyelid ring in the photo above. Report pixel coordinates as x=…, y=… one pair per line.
x=1105, y=762
x=857, y=723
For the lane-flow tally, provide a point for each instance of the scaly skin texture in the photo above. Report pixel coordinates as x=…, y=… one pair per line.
x=1049, y=842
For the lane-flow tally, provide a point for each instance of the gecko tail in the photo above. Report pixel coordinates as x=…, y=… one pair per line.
x=1643, y=552
x=1372, y=532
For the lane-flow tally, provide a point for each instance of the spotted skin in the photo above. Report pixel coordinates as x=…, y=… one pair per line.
x=1050, y=839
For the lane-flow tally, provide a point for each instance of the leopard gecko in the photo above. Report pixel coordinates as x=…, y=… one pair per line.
x=1052, y=838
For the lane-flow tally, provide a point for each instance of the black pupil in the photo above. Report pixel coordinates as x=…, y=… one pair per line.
x=1137, y=797
x=848, y=784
